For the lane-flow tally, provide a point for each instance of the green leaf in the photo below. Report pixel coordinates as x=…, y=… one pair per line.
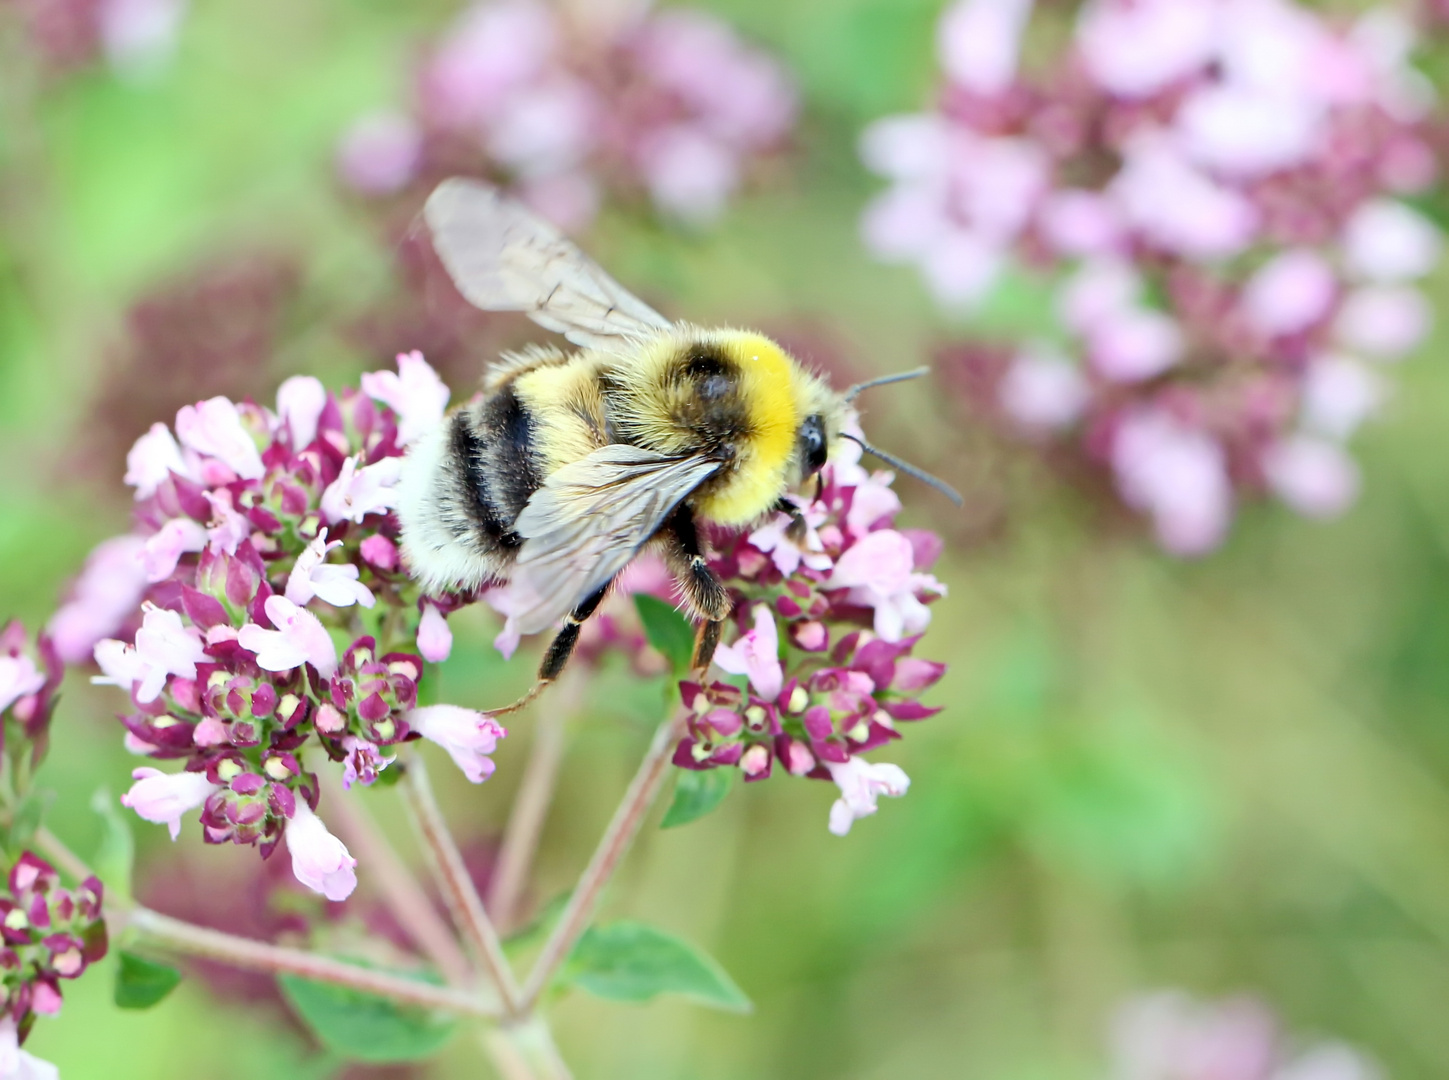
x=696, y=793
x=141, y=983
x=667, y=630
x=363, y=1027
x=116, y=854
x=628, y=961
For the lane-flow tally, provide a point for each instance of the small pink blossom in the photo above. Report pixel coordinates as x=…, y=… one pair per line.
x=1314, y=477
x=1135, y=344
x=380, y=552
x=228, y=527
x=1339, y=394
x=1387, y=241
x=332, y=583
x=1043, y=390
x=861, y=784
x=1177, y=474
x=164, y=646
x=979, y=42
x=1384, y=321
x=1077, y=222
x=414, y=392
x=213, y=428
x=1177, y=207
x=788, y=556
x=300, y=401
x=510, y=601
x=359, y=492
x=1137, y=49
x=757, y=655
x=1100, y=289
x=300, y=638
x=162, y=798
x=320, y=861
x=1242, y=133
x=164, y=547
x=19, y=677
x=153, y=458
x=467, y=735
x=380, y=152
x=18, y=1064
x=435, y=640
x=878, y=571
x=690, y=174
x=1290, y=293
x=363, y=761
x=109, y=588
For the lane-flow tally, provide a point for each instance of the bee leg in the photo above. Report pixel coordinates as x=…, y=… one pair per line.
x=559, y=650
x=704, y=594
x=795, y=531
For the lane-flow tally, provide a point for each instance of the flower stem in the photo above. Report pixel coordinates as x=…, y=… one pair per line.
x=63, y=857
x=615, y=842
x=396, y=882
x=525, y=1051
x=530, y=805
x=457, y=886
x=184, y=937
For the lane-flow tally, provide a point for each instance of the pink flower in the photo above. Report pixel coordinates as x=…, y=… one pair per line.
x=228, y=528
x=359, y=492
x=164, y=547
x=1135, y=344
x=379, y=153
x=153, y=458
x=1178, y=475
x=1314, y=477
x=164, y=646
x=877, y=570
x=1157, y=1035
x=1339, y=394
x=435, y=640
x=757, y=655
x=1242, y=133
x=380, y=552
x=1177, y=207
x=213, y=428
x=491, y=50
x=1099, y=290
x=333, y=583
x=1384, y=321
x=1387, y=241
x=300, y=638
x=1043, y=390
x=1137, y=49
x=467, y=735
x=510, y=601
x=19, y=677
x=1290, y=293
x=300, y=401
x=363, y=761
x=689, y=173
x=320, y=861
x=139, y=36
x=861, y=783
x=18, y=1064
x=979, y=42
x=787, y=555
x=414, y=392
x=1076, y=222
x=162, y=798
x=107, y=591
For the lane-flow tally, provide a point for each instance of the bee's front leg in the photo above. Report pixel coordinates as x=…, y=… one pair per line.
x=796, y=529
x=704, y=594
x=559, y=650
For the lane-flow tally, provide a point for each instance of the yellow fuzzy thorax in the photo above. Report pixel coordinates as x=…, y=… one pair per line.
x=770, y=384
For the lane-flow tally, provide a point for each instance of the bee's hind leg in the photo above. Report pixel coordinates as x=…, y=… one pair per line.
x=559, y=650
x=704, y=594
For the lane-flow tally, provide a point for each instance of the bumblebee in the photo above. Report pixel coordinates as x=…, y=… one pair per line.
x=570, y=463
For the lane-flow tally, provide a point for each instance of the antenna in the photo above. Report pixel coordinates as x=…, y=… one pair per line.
x=905, y=466
x=884, y=380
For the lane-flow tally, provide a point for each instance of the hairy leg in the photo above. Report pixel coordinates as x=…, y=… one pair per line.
x=704, y=594
x=559, y=650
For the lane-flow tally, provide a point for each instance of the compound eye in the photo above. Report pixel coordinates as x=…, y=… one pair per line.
x=812, y=443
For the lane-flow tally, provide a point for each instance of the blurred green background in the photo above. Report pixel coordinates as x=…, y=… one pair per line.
x=1229, y=775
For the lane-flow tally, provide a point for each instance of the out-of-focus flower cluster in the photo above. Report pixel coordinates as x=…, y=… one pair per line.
x=47, y=933
x=1169, y=1036
x=259, y=612
x=1217, y=188
x=834, y=611
x=566, y=102
x=135, y=37
x=29, y=677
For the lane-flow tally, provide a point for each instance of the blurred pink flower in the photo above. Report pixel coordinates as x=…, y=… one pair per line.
x=163, y=798
x=414, y=392
x=756, y=654
x=320, y=861
x=1238, y=132
x=359, y=492
x=332, y=583
x=1043, y=390
x=1339, y=394
x=1135, y=49
x=299, y=638
x=1290, y=293
x=435, y=640
x=380, y=552
x=1383, y=321
x=1134, y=344
x=164, y=548
x=1178, y=475
x=1385, y=240
x=1178, y=208
x=861, y=784
x=380, y=152
x=467, y=735
x=18, y=1064
x=139, y=36
x=109, y=588
x=300, y=401
x=979, y=42
x=228, y=526
x=19, y=677
x=688, y=173
x=153, y=458
x=1313, y=476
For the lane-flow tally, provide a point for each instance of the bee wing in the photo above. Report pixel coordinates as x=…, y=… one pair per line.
x=588, y=520
x=503, y=257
